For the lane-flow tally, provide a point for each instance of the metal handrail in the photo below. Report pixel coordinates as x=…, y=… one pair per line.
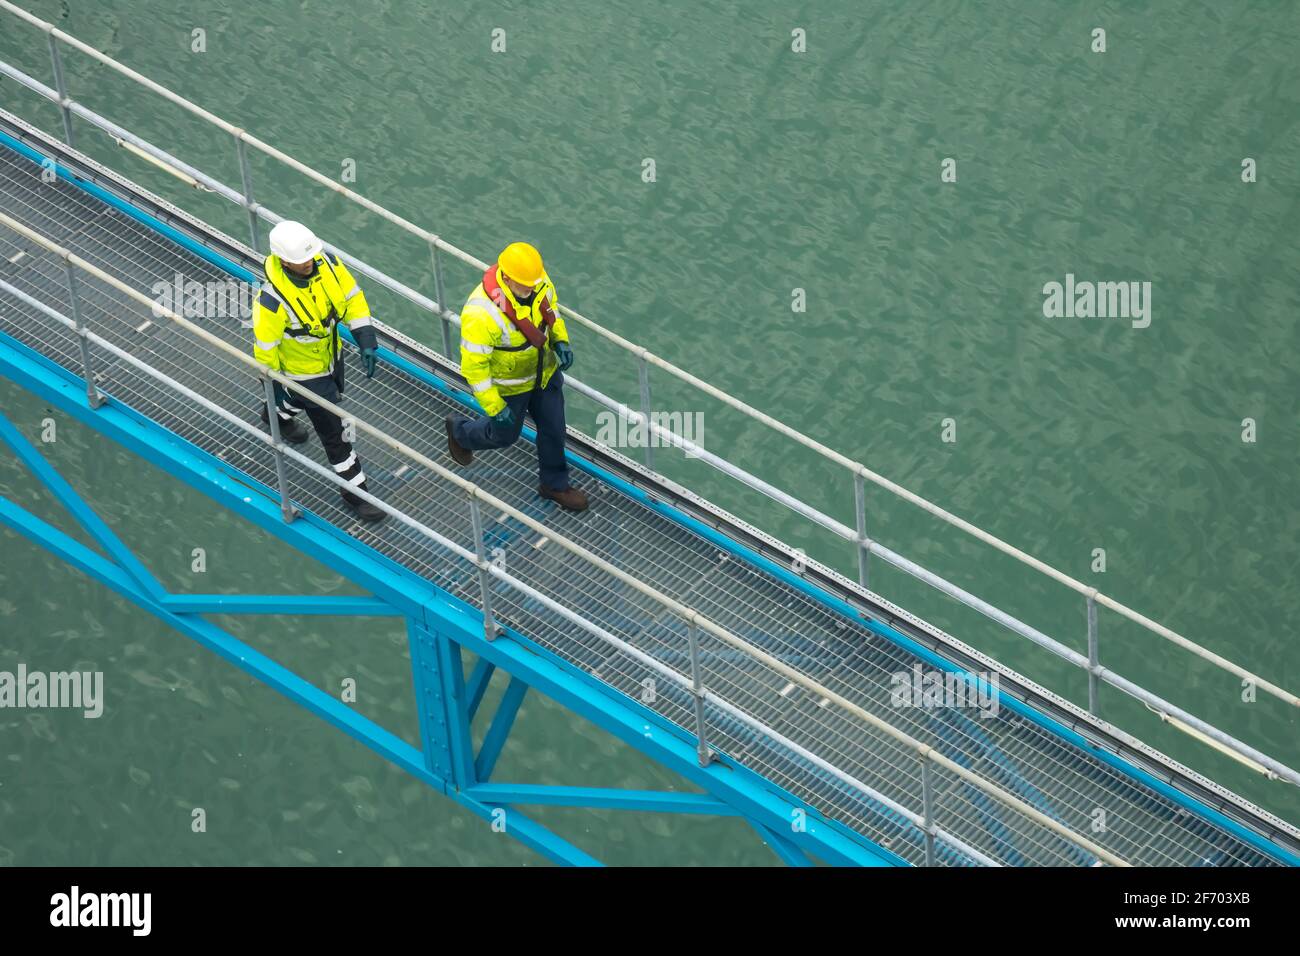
x=924, y=752
x=644, y=358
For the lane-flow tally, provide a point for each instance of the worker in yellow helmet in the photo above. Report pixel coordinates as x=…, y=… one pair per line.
x=307, y=293
x=514, y=348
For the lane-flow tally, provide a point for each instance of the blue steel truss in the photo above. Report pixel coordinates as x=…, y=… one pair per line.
x=439, y=628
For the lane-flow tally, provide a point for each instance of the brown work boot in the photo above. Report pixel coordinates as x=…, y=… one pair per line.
x=363, y=509
x=459, y=453
x=291, y=430
x=570, y=499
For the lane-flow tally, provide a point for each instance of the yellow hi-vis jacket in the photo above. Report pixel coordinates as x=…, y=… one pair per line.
x=495, y=358
x=294, y=318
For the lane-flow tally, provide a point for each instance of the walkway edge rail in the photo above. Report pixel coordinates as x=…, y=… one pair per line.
x=923, y=751
x=643, y=356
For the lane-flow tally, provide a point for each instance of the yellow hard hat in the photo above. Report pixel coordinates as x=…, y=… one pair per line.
x=521, y=262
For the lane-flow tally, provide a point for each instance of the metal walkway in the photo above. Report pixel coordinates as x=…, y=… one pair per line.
x=643, y=534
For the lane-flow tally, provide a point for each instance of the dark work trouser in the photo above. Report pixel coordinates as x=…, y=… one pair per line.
x=546, y=405
x=328, y=426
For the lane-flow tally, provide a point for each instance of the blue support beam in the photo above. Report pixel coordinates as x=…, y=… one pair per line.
x=440, y=701
x=478, y=684
x=653, y=801
x=499, y=730
x=429, y=705
x=451, y=669
x=67, y=496
x=788, y=853
x=533, y=834
x=325, y=604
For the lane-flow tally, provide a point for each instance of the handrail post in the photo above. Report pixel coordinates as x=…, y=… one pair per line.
x=643, y=378
x=927, y=809
x=246, y=174
x=438, y=291
x=93, y=394
x=703, y=751
x=860, y=513
x=484, y=579
x=1093, y=653
x=60, y=84
x=287, y=509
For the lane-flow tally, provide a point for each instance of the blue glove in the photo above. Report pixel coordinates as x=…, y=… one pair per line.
x=370, y=359
x=564, y=353
x=504, y=420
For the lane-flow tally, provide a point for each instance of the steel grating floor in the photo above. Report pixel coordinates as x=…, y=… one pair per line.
x=1143, y=826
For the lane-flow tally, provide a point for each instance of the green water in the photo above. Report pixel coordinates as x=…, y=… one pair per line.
x=775, y=170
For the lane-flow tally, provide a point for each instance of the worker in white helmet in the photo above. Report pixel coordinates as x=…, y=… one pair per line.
x=308, y=292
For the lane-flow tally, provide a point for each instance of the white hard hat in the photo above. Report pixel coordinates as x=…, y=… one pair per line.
x=294, y=242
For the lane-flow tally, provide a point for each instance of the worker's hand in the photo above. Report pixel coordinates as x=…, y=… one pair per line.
x=504, y=420
x=370, y=359
x=564, y=352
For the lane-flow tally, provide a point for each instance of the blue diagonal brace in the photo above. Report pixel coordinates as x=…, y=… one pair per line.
x=790, y=854
x=655, y=801
x=502, y=721
x=478, y=684
x=77, y=507
x=534, y=835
